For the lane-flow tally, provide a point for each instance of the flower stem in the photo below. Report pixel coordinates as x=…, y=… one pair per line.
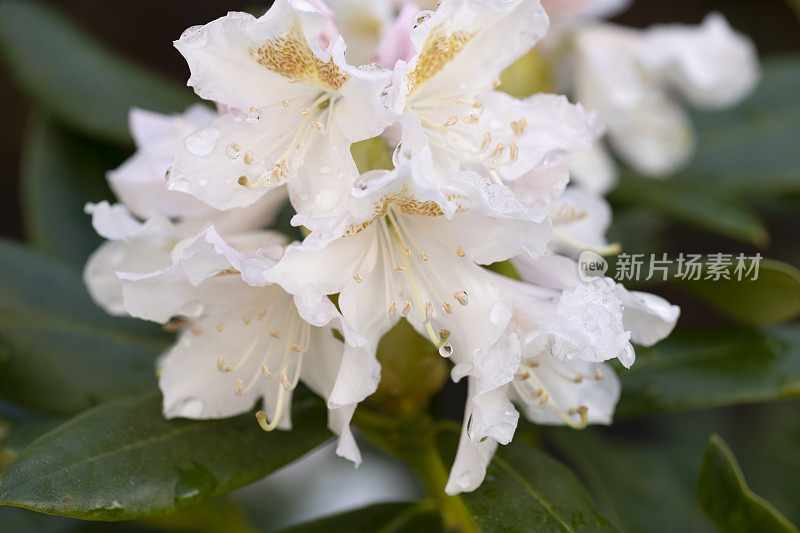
x=414, y=441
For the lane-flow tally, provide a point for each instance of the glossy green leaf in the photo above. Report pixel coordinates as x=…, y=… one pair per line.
x=384, y=517
x=694, y=203
x=123, y=460
x=752, y=148
x=525, y=489
x=74, y=77
x=59, y=352
x=60, y=174
x=771, y=298
x=726, y=499
x=643, y=472
x=640, y=483
x=703, y=369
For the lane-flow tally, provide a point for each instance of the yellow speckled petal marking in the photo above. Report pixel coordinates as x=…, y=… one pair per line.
x=439, y=49
x=405, y=203
x=291, y=57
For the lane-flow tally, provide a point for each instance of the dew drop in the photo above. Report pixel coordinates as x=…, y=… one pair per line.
x=446, y=350
x=253, y=116
x=202, y=141
x=233, y=150
x=190, y=31
x=421, y=17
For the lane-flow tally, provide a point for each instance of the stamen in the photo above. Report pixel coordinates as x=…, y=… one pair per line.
x=452, y=121
x=357, y=277
x=265, y=371
x=428, y=311
x=239, y=387
x=460, y=252
x=447, y=308
x=487, y=140
x=219, y=327
x=392, y=310
x=523, y=375
x=578, y=378
x=406, y=309
x=320, y=128
x=598, y=374
x=248, y=158
x=514, y=151
x=220, y=363
x=247, y=321
x=275, y=334
x=498, y=151
x=544, y=400
x=462, y=297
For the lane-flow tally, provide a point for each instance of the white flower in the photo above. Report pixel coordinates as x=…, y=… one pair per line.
x=294, y=110
x=452, y=118
x=572, y=10
x=550, y=360
x=239, y=343
x=580, y=222
x=132, y=246
x=628, y=76
x=362, y=24
x=402, y=254
x=140, y=183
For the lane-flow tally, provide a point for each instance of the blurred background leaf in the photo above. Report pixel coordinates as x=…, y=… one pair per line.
x=59, y=352
x=711, y=368
x=123, y=460
x=726, y=499
x=75, y=78
x=772, y=298
x=61, y=172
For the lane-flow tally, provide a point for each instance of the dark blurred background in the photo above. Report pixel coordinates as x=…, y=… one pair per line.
x=144, y=30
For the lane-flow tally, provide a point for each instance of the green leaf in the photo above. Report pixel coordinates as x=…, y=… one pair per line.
x=525, y=488
x=773, y=297
x=123, y=460
x=752, y=148
x=20, y=434
x=59, y=352
x=384, y=517
x=725, y=498
x=640, y=484
x=695, y=203
x=703, y=369
x=71, y=75
x=60, y=173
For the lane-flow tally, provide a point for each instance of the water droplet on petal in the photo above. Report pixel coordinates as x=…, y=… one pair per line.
x=190, y=31
x=421, y=17
x=202, y=141
x=233, y=150
x=446, y=350
x=253, y=116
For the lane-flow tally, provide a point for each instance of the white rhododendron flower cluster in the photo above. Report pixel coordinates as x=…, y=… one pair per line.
x=479, y=177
